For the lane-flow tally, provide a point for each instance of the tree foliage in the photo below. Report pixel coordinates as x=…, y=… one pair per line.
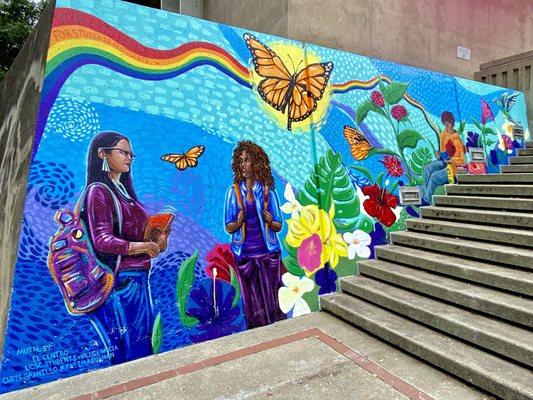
x=17, y=19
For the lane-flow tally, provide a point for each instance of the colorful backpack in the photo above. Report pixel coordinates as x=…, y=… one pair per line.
x=84, y=281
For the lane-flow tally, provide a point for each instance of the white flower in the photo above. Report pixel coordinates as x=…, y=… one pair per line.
x=292, y=206
x=290, y=296
x=358, y=243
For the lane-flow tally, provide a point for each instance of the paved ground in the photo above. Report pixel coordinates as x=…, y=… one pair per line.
x=312, y=357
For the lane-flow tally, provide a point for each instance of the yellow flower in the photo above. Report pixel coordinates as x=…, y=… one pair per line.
x=313, y=221
x=507, y=128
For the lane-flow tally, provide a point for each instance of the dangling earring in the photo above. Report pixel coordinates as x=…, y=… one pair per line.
x=105, y=165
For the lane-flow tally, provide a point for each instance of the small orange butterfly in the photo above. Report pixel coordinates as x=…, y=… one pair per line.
x=359, y=145
x=187, y=160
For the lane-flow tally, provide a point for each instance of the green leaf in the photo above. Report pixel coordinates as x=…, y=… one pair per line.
x=462, y=126
x=490, y=142
x=408, y=138
x=393, y=187
x=364, y=171
x=490, y=131
x=362, y=111
x=376, y=150
x=329, y=182
x=183, y=288
x=235, y=283
x=379, y=180
x=157, y=334
x=394, y=92
x=419, y=159
x=477, y=124
x=291, y=264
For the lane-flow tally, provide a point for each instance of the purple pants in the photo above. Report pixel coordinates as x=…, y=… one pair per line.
x=260, y=279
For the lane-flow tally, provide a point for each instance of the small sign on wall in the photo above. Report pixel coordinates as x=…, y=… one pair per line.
x=463, y=52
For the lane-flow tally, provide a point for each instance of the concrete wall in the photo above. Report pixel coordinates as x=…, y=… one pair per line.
x=269, y=16
x=420, y=33
x=19, y=92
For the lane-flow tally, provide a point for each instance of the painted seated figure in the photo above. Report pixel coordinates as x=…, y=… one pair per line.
x=450, y=157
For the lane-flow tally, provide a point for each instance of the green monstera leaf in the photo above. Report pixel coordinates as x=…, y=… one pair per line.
x=329, y=183
x=420, y=158
x=183, y=288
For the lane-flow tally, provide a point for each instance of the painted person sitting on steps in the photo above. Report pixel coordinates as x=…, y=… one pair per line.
x=452, y=153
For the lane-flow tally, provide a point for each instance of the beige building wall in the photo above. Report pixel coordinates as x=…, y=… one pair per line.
x=423, y=33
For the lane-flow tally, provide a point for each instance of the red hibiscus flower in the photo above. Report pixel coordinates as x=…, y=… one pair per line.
x=450, y=148
x=393, y=165
x=223, y=260
x=380, y=204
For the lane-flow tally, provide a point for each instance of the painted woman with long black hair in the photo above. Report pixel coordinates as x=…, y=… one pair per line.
x=116, y=221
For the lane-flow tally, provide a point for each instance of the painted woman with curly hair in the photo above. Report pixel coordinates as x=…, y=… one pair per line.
x=252, y=217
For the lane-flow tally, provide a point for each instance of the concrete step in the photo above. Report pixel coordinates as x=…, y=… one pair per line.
x=514, y=280
x=529, y=145
x=495, y=178
x=494, y=203
x=496, y=253
x=490, y=217
x=519, y=191
x=516, y=169
x=518, y=237
x=521, y=160
x=489, y=372
x=525, y=152
x=498, y=336
x=507, y=306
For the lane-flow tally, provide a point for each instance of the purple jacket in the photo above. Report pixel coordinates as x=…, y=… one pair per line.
x=99, y=209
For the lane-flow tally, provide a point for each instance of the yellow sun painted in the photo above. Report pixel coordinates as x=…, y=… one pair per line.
x=295, y=59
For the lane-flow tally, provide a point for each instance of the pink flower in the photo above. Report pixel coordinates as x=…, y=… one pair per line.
x=309, y=253
x=377, y=98
x=486, y=112
x=393, y=165
x=508, y=143
x=398, y=112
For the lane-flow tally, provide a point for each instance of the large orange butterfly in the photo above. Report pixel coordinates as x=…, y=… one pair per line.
x=359, y=145
x=184, y=161
x=281, y=89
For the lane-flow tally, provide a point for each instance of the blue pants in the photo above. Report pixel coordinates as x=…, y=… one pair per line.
x=125, y=321
x=435, y=174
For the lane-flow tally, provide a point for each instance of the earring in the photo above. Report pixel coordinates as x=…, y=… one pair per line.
x=105, y=165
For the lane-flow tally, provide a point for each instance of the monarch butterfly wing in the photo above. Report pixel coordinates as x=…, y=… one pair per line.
x=267, y=64
x=309, y=86
x=359, y=145
x=191, y=157
x=314, y=78
x=301, y=105
x=274, y=88
x=176, y=159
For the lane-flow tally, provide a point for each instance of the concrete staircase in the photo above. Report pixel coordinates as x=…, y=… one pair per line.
x=456, y=288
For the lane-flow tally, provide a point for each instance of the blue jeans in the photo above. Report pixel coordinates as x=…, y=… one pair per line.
x=435, y=174
x=124, y=322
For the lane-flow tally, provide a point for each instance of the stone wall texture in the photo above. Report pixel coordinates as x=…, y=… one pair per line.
x=19, y=91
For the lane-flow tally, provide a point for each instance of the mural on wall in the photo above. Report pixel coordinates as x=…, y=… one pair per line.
x=191, y=180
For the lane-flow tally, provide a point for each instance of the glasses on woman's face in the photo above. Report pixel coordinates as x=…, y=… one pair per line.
x=122, y=152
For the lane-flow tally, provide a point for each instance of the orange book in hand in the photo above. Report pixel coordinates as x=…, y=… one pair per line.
x=161, y=221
